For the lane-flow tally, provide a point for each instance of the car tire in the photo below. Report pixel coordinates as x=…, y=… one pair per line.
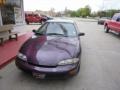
x=27, y=22
x=42, y=22
x=98, y=22
x=119, y=34
x=106, y=29
x=78, y=69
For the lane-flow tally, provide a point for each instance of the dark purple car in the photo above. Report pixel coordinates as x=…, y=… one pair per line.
x=53, y=51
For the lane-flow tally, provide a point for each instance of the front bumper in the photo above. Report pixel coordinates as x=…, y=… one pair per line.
x=58, y=71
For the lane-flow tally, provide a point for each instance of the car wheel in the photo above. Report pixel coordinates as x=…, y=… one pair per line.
x=42, y=22
x=106, y=29
x=119, y=34
x=78, y=69
x=98, y=22
x=27, y=22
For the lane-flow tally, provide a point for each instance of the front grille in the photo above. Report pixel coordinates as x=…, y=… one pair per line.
x=45, y=66
x=57, y=76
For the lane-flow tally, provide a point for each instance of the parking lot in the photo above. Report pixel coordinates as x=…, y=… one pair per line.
x=99, y=70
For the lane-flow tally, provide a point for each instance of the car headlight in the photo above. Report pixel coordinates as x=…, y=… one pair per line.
x=69, y=61
x=22, y=56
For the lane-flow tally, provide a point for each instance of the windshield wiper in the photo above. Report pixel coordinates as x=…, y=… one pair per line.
x=38, y=33
x=56, y=34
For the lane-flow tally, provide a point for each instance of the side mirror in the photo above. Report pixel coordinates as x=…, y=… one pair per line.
x=81, y=34
x=34, y=30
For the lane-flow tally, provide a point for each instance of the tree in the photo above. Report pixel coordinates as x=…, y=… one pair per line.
x=86, y=11
x=73, y=13
x=52, y=12
x=107, y=13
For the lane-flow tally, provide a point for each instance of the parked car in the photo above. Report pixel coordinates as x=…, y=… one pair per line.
x=45, y=18
x=113, y=24
x=33, y=18
x=102, y=20
x=53, y=51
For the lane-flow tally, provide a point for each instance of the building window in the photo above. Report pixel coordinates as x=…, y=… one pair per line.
x=7, y=13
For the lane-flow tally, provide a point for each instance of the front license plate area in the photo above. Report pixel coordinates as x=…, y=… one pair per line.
x=38, y=75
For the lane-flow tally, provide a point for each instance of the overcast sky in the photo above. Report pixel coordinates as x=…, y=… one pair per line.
x=59, y=5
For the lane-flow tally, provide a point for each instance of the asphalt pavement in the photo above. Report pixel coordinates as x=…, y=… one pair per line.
x=100, y=65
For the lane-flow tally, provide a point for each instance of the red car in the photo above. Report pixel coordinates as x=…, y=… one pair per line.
x=113, y=24
x=33, y=18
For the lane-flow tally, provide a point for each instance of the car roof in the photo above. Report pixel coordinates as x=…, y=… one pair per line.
x=61, y=20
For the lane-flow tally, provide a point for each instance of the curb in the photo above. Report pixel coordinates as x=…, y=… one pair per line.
x=7, y=62
x=88, y=20
x=23, y=38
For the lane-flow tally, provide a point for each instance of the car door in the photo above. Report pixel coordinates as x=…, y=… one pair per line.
x=35, y=18
x=30, y=19
x=112, y=23
x=118, y=24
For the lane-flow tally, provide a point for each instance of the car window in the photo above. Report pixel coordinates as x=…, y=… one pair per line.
x=29, y=15
x=54, y=28
x=118, y=19
x=42, y=29
x=35, y=15
x=115, y=17
x=67, y=29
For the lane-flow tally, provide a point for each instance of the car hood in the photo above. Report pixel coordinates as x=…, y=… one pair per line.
x=50, y=50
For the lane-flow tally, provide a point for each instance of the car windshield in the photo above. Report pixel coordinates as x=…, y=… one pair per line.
x=58, y=28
